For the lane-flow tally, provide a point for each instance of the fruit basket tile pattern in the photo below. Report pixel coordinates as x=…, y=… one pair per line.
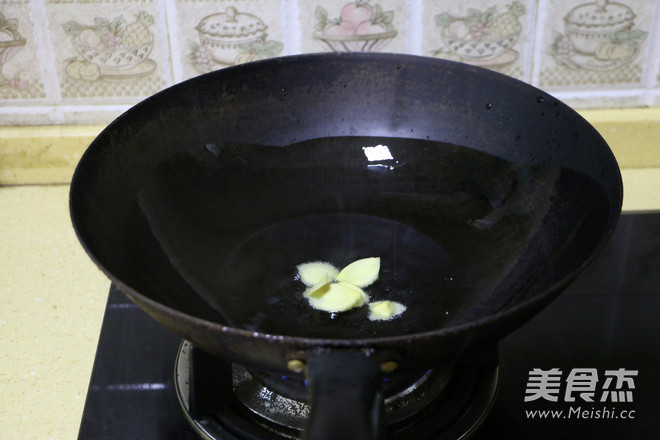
x=353, y=26
x=19, y=69
x=360, y=27
x=484, y=34
x=111, y=47
x=110, y=55
x=595, y=44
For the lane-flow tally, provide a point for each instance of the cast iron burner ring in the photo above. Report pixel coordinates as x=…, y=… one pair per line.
x=441, y=403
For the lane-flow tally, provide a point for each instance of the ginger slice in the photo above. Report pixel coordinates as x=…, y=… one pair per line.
x=318, y=288
x=337, y=297
x=364, y=298
x=361, y=273
x=313, y=273
x=385, y=310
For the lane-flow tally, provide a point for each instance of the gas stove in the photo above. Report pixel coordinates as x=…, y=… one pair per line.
x=587, y=366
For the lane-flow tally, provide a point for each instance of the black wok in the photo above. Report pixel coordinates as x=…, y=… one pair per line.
x=199, y=202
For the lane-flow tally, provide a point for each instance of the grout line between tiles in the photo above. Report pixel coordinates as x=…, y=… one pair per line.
x=414, y=27
x=58, y=110
x=596, y=94
x=652, y=63
x=162, y=34
x=173, y=39
x=45, y=52
x=610, y=93
x=539, y=32
x=530, y=49
x=292, y=31
x=652, y=97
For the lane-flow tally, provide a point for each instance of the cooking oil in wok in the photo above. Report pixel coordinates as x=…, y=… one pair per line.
x=218, y=230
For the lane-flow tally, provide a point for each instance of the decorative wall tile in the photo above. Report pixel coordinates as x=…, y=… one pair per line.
x=491, y=34
x=598, y=44
x=353, y=26
x=20, y=76
x=69, y=61
x=214, y=34
x=108, y=52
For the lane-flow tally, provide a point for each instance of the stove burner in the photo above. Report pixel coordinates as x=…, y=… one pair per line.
x=442, y=403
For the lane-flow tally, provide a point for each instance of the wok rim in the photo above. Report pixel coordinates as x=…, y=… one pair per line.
x=535, y=303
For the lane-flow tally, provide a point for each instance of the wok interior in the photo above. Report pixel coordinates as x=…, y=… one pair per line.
x=217, y=231
x=206, y=197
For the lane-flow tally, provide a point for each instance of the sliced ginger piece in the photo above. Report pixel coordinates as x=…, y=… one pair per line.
x=336, y=297
x=315, y=272
x=361, y=273
x=364, y=298
x=385, y=310
x=319, y=288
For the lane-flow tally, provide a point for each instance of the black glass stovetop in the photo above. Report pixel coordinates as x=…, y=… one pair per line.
x=593, y=354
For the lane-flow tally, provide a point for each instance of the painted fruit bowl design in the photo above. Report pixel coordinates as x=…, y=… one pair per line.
x=10, y=42
x=110, y=45
x=360, y=27
x=481, y=35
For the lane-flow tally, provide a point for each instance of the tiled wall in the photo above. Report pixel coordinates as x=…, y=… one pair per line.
x=86, y=61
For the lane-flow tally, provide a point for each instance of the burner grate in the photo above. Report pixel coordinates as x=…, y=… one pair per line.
x=224, y=401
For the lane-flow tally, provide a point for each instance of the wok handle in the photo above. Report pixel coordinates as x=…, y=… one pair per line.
x=346, y=397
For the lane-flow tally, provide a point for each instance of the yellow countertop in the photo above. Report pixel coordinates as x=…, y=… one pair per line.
x=52, y=299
